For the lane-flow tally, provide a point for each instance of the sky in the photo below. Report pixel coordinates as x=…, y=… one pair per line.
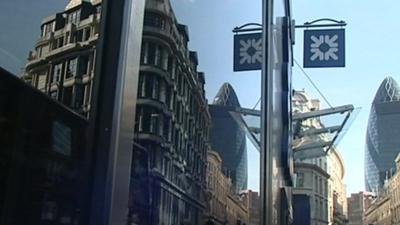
x=371, y=55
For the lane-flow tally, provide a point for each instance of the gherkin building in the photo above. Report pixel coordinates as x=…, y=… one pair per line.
x=227, y=138
x=382, y=138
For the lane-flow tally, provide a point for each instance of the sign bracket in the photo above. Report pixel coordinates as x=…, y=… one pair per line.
x=312, y=24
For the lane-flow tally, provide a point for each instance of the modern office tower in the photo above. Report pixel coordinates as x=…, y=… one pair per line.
x=62, y=62
x=227, y=138
x=172, y=118
x=382, y=141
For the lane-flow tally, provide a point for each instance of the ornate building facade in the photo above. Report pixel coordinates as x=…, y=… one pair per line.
x=385, y=210
x=321, y=178
x=172, y=120
x=62, y=63
x=358, y=203
x=224, y=207
x=253, y=204
x=168, y=178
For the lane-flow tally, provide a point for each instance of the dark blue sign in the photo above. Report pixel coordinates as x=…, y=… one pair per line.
x=324, y=48
x=247, y=52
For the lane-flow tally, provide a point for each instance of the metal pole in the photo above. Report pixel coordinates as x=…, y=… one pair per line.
x=113, y=109
x=266, y=103
x=125, y=106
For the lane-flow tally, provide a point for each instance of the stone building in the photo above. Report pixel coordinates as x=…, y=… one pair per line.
x=358, y=203
x=379, y=212
x=224, y=206
x=336, y=188
x=252, y=203
x=218, y=187
x=312, y=180
x=236, y=211
x=324, y=174
x=62, y=62
x=172, y=121
x=385, y=210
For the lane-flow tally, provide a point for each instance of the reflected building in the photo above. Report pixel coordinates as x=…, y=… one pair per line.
x=172, y=124
x=382, y=141
x=224, y=206
x=358, y=203
x=227, y=138
x=168, y=177
x=319, y=179
x=61, y=64
x=45, y=169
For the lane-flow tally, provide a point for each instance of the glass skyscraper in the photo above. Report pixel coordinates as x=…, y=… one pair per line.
x=382, y=139
x=227, y=138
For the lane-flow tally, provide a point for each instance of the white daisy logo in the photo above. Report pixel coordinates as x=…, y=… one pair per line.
x=251, y=51
x=324, y=47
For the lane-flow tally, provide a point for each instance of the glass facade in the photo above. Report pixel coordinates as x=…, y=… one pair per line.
x=382, y=144
x=227, y=138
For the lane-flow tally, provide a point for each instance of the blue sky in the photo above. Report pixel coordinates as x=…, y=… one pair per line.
x=371, y=55
x=371, y=41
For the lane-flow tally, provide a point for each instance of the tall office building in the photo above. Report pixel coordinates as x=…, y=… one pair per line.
x=382, y=141
x=227, y=138
x=172, y=117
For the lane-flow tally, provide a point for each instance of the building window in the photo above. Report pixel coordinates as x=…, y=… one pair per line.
x=57, y=73
x=83, y=64
x=87, y=94
x=145, y=122
x=164, y=59
x=156, y=88
x=163, y=91
x=78, y=36
x=167, y=129
x=86, y=34
x=167, y=95
x=144, y=54
x=316, y=183
x=320, y=186
x=71, y=68
x=154, y=122
x=154, y=20
x=300, y=179
x=157, y=60
x=142, y=85
x=48, y=28
x=41, y=84
x=67, y=96
x=58, y=43
x=171, y=66
x=79, y=96
x=151, y=54
x=74, y=17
